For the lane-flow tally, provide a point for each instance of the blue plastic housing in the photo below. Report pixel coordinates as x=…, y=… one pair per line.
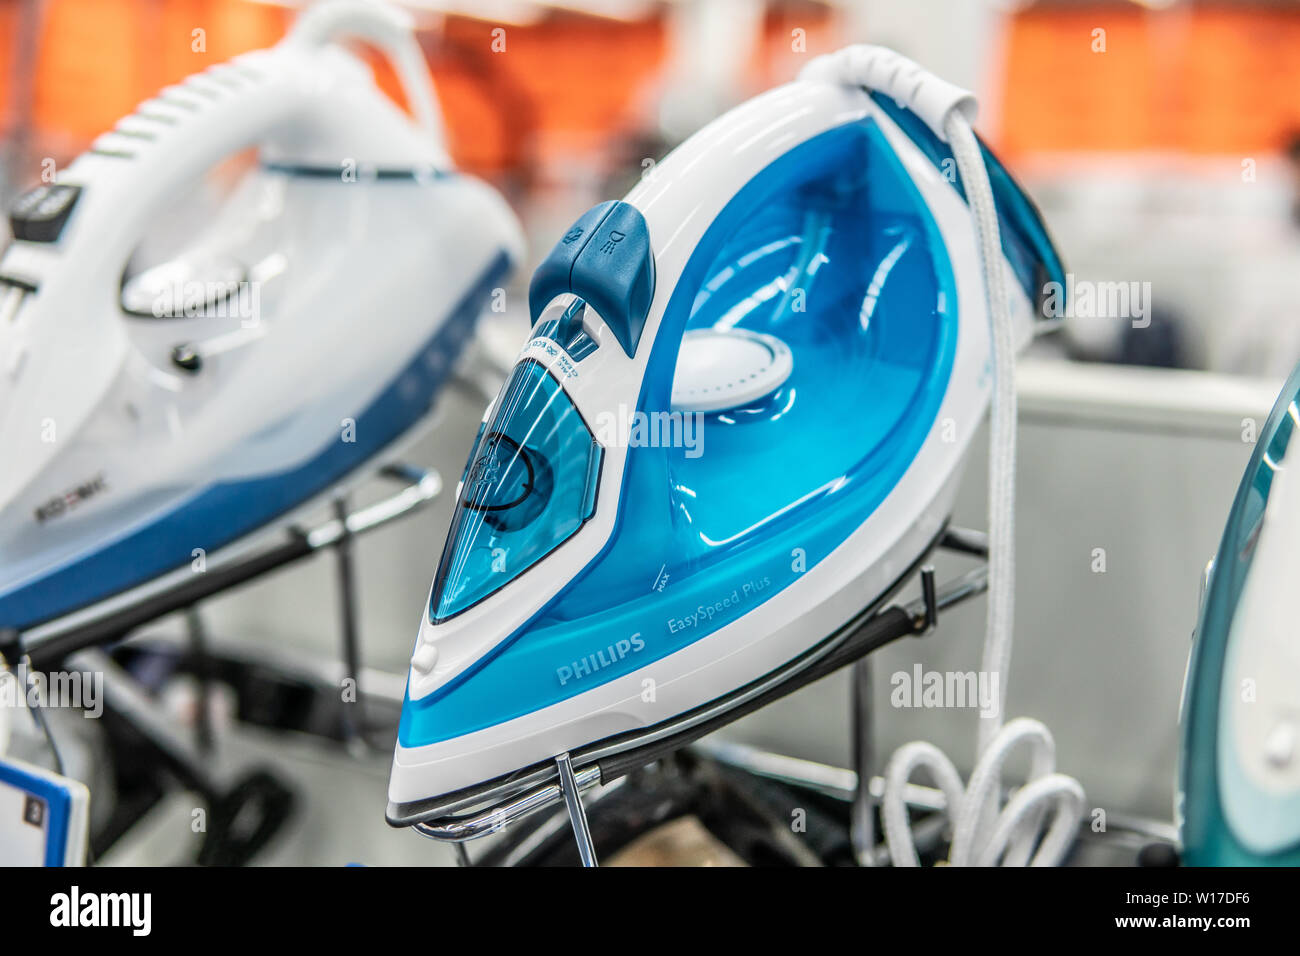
x=1208, y=837
x=832, y=249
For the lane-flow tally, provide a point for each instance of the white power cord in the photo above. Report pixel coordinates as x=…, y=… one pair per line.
x=984, y=832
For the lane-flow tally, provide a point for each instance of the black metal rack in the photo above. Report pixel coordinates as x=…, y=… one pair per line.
x=488, y=809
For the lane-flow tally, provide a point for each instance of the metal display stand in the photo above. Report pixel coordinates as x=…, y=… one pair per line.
x=546, y=801
x=112, y=620
x=683, y=775
x=489, y=811
x=80, y=637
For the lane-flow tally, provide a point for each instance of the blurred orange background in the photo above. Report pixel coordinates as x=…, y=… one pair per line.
x=569, y=78
x=1195, y=77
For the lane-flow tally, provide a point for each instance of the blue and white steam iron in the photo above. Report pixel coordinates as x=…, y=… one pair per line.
x=301, y=334
x=739, y=420
x=1239, y=786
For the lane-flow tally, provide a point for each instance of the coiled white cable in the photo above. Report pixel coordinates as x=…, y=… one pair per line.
x=983, y=831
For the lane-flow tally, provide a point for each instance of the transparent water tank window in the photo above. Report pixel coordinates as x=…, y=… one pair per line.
x=530, y=484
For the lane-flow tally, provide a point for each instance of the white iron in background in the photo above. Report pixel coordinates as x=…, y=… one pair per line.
x=151, y=417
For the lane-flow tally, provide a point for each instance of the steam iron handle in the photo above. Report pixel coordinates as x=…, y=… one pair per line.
x=390, y=29
x=122, y=196
x=209, y=121
x=907, y=82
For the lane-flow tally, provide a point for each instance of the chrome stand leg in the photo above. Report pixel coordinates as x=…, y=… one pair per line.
x=354, y=717
x=462, y=855
x=577, y=816
x=198, y=639
x=862, y=826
